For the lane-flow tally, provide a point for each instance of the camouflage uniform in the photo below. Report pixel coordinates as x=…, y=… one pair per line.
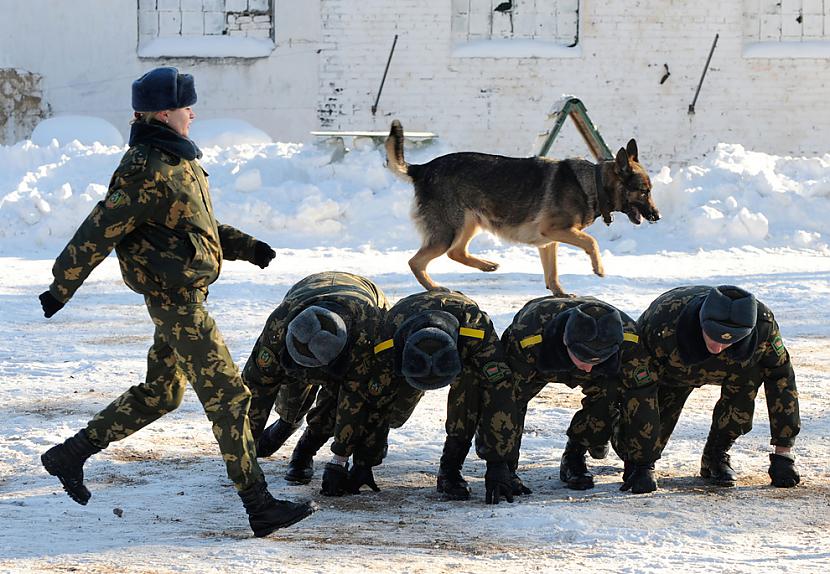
x=272, y=376
x=609, y=384
x=481, y=400
x=670, y=330
x=158, y=217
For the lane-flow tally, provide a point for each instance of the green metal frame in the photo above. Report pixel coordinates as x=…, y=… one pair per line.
x=574, y=108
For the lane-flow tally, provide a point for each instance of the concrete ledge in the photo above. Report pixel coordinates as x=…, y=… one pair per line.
x=507, y=48
x=816, y=49
x=205, y=47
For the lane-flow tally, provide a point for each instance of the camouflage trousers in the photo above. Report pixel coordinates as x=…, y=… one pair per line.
x=187, y=347
x=629, y=420
x=733, y=413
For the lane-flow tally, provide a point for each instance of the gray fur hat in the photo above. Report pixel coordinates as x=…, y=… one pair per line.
x=728, y=314
x=315, y=337
x=163, y=89
x=594, y=332
x=430, y=358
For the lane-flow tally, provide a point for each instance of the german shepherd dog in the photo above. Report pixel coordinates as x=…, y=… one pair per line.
x=531, y=200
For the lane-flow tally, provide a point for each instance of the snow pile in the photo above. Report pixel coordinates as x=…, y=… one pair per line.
x=295, y=196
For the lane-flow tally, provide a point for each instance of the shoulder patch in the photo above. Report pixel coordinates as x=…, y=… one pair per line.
x=383, y=345
x=495, y=371
x=115, y=199
x=778, y=345
x=530, y=341
x=264, y=358
x=642, y=376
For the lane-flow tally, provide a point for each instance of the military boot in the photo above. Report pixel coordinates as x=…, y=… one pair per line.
x=639, y=478
x=572, y=468
x=273, y=437
x=66, y=461
x=716, y=465
x=450, y=482
x=266, y=514
x=301, y=466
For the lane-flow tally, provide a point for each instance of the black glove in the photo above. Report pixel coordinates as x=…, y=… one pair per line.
x=263, y=254
x=335, y=479
x=640, y=478
x=360, y=475
x=49, y=303
x=782, y=471
x=498, y=483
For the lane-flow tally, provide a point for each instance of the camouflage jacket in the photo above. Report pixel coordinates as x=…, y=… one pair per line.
x=363, y=414
x=523, y=343
x=158, y=216
x=357, y=300
x=670, y=331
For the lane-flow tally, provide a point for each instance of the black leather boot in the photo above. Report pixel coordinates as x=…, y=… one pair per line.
x=66, y=461
x=716, y=465
x=639, y=478
x=266, y=514
x=572, y=468
x=273, y=437
x=301, y=466
x=450, y=482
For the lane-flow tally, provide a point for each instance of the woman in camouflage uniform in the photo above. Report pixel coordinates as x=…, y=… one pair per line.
x=158, y=217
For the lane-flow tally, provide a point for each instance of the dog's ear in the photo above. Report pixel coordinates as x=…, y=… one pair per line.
x=621, y=162
x=631, y=148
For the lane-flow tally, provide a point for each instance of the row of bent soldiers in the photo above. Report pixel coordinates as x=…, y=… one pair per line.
x=335, y=352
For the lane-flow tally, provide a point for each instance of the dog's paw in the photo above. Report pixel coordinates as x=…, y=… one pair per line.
x=488, y=266
x=598, y=270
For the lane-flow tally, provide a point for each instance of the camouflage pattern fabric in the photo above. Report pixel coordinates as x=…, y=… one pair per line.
x=629, y=389
x=187, y=347
x=481, y=400
x=158, y=216
x=271, y=374
x=670, y=330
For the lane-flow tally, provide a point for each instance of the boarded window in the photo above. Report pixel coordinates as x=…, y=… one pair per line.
x=554, y=21
x=205, y=18
x=786, y=20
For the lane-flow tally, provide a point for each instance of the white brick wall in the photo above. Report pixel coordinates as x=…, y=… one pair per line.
x=499, y=104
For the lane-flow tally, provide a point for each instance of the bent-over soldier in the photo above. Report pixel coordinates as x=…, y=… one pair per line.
x=321, y=334
x=586, y=343
x=699, y=335
x=430, y=340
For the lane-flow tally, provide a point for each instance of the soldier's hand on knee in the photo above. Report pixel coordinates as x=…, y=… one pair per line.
x=335, y=479
x=497, y=483
x=360, y=475
x=782, y=471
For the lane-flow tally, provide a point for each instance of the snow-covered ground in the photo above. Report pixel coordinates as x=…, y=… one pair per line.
x=161, y=500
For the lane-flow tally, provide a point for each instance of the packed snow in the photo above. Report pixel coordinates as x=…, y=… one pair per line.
x=161, y=501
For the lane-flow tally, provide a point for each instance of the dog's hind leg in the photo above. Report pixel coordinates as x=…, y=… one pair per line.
x=458, y=250
x=547, y=254
x=418, y=263
x=578, y=238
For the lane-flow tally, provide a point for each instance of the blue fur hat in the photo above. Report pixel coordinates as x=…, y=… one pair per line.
x=728, y=313
x=163, y=89
x=593, y=332
x=315, y=337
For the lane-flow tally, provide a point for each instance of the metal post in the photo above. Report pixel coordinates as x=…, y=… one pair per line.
x=705, y=68
x=392, y=51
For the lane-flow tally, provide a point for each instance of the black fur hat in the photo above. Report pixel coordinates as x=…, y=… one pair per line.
x=315, y=337
x=593, y=332
x=163, y=89
x=728, y=314
x=430, y=358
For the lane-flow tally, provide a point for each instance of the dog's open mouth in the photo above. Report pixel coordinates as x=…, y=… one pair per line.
x=634, y=215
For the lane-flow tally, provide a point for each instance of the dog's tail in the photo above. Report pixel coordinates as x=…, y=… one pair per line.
x=394, y=152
